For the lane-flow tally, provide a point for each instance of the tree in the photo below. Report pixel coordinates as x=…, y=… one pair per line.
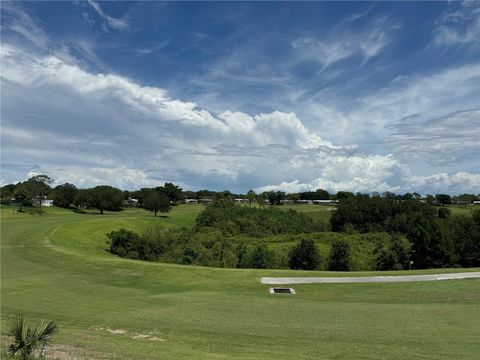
x=141, y=194
x=29, y=338
x=466, y=237
x=275, y=197
x=392, y=252
x=430, y=199
x=173, y=192
x=155, y=202
x=36, y=188
x=82, y=199
x=21, y=196
x=105, y=197
x=64, y=195
x=321, y=194
x=261, y=258
x=7, y=192
x=251, y=197
x=304, y=255
x=443, y=199
x=261, y=200
x=340, y=256
x=444, y=213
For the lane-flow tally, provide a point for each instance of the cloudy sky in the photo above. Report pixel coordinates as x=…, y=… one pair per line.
x=292, y=96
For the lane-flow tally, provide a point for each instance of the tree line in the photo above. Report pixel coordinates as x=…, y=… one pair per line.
x=32, y=191
x=438, y=238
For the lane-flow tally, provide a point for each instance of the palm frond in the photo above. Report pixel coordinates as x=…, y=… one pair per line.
x=28, y=338
x=48, y=329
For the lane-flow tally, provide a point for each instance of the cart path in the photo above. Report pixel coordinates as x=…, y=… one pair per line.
x=368, y=279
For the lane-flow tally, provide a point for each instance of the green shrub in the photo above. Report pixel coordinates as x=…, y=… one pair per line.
x=261, y=257
x=340, y=256
x=304, y=255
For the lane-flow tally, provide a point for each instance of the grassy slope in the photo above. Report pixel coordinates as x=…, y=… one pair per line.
x=206, y=313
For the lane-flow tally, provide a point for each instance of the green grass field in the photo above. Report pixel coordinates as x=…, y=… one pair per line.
x=55, y=266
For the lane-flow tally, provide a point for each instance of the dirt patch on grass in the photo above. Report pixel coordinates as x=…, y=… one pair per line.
x=111, y=331
x=151, y=335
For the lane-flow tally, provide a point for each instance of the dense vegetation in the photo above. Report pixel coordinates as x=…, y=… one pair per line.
x=399, y=231
x=55, y=267
x=228, y=235
x=438, y=239
x=256, y=222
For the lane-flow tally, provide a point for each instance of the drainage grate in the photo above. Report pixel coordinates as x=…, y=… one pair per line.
x=282, y=291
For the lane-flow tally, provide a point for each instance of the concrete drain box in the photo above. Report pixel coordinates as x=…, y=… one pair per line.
x=278, y=290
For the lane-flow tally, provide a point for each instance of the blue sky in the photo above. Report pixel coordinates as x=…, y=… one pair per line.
x=357, y=96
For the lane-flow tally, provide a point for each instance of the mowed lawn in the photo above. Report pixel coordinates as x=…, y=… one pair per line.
x=56, y=266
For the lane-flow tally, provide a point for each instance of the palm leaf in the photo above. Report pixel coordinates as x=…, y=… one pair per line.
x=26, y=339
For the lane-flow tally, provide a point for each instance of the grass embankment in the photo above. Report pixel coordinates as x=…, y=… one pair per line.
x=55, y=266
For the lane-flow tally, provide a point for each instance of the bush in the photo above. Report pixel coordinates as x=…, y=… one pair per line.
x=444, y=213
x=304, y=256
x=261, y=257
x=122, y=241
x=392, y=252
x=340, y=256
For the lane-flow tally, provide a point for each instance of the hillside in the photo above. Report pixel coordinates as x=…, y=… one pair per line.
x=56, y=266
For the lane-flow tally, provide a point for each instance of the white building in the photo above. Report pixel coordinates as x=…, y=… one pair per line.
x=46, y=202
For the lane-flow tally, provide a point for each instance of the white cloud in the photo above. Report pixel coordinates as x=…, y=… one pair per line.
x=461, y=182
x=114, y=23
x=103, y=128
x=460, y=26
x=342, y=44
x=16, y=20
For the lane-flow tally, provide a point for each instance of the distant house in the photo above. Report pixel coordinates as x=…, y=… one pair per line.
x=205, y=201
x=476, y=202
x=131, y=202
x=191, y=201
x=307, y=202
x=46, y=202
x=241, y=200
x=325, y=202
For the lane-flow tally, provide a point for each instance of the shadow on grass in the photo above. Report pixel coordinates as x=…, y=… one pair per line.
x=94, y=212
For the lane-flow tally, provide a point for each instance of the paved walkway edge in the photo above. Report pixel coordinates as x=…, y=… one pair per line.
x=368, y=279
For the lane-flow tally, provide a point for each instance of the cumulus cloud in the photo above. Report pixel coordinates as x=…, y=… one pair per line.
x=101, y=120
x=92, y=128
x=461, y=182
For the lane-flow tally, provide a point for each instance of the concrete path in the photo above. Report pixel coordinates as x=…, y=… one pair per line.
x=367, y=279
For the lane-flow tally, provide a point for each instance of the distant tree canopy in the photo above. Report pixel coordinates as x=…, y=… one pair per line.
x=443, y=199
x=30, y=192
x=64, y=195
x=318, y=194
x=436, y=238
x=173, y=192
x=251, y=196
x=105, y=197
x=233, y=219
x=275, y=197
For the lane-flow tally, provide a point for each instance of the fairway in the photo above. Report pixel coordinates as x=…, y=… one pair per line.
x=56, y=266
